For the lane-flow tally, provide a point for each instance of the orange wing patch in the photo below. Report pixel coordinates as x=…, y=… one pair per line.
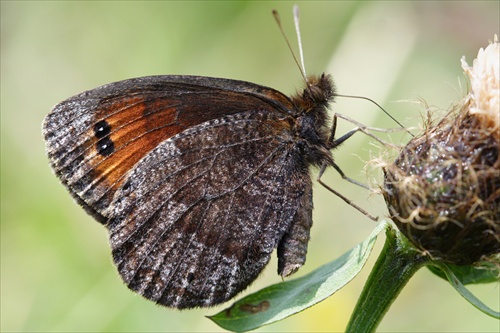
x=125, y=132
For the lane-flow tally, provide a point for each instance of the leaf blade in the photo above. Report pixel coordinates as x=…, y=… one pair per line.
x=464, y=292
x=284, y=299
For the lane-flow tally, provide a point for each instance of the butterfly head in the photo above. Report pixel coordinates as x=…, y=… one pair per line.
x=316, y=97
x=311, y=105
x=320, y=90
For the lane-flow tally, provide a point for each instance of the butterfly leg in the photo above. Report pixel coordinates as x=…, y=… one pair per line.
x=333, y=143
x=348, y=201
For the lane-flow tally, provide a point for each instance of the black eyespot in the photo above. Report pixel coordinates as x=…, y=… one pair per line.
x=101, y=129
x=105, y=146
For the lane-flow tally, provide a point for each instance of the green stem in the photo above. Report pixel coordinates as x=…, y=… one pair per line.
x=396, y=264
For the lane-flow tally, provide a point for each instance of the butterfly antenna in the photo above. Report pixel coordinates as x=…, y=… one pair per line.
x=296, y=20
x=278, y=21
x=380, y=107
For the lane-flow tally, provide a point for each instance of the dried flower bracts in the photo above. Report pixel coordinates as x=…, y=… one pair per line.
x=443, y=191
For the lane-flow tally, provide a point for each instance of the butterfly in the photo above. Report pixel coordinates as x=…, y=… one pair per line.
x=197, y=179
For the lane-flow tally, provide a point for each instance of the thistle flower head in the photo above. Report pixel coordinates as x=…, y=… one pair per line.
x=443, y=190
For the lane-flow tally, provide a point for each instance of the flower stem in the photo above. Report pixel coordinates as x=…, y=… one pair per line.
x=397, y=263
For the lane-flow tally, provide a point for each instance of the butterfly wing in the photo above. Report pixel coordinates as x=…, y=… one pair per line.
x=196, y=178
x=197, y=219
x=95, y=138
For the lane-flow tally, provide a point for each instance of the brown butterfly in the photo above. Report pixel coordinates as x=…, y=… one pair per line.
x=197, y=179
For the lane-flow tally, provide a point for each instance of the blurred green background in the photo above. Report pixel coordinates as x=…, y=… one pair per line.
x=56, y=270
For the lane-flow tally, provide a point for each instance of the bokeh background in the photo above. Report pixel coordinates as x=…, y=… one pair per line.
x=56, y=270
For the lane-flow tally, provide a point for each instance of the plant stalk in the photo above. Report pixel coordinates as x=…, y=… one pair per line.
x=397, y=263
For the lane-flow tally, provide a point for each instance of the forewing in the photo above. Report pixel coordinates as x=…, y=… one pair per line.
x=197, y=219
x=96, y=138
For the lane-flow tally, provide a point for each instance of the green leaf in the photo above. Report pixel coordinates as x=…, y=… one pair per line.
x=464, y=292
x=284, y=299
x=485, y=273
